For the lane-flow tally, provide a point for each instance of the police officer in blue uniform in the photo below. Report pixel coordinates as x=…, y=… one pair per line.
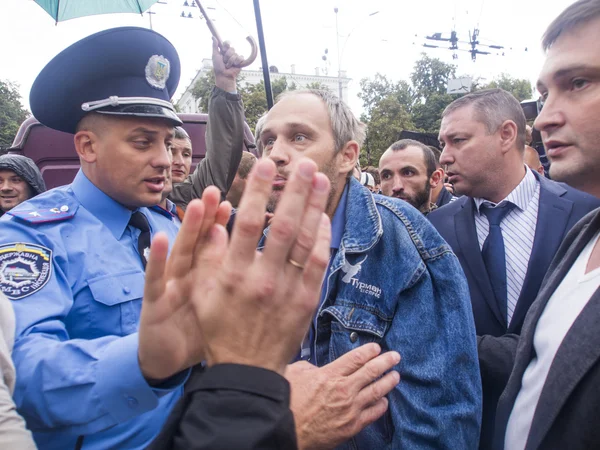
x=72, y=260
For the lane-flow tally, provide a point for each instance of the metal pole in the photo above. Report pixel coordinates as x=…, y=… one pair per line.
x=263, y=54
x=337, y=33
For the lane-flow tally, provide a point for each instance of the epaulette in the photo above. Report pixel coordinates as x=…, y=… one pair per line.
x=45, y=215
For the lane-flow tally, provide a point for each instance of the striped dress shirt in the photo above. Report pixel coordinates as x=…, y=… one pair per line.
x=518, y=231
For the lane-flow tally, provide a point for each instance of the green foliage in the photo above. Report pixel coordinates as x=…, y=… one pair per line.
x=388, y=118
x=203, y=88
x=430, y=76
x=12, y=112
x=427, y=116
x=520, y=88
x=374, y=91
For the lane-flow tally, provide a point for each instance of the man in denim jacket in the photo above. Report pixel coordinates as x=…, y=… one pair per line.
x=391, y=279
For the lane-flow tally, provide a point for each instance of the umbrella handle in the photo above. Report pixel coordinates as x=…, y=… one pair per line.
x=213, y=30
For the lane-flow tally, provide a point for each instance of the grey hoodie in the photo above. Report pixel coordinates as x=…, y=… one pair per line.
x=26, y=169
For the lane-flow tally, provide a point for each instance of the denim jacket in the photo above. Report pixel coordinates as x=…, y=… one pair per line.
x=396, y=282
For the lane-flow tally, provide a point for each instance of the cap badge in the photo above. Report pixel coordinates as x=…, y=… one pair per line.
x=157, y=71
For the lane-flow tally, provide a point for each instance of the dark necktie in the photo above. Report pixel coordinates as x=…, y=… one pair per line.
x=493, y=252
x=139, y=221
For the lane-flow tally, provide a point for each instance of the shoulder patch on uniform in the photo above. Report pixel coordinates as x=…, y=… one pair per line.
x=45, y=215
x=24, y=269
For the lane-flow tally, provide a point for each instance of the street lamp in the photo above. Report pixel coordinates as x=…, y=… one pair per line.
x=340, y=56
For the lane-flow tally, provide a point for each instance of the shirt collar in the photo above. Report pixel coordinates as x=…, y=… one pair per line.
x=520, y=196
x=169, y=212
x=110, y=212
x=339, y=220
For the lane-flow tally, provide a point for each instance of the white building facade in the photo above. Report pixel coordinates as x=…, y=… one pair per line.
x=188, y=104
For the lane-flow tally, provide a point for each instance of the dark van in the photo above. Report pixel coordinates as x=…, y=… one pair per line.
x=54, y=152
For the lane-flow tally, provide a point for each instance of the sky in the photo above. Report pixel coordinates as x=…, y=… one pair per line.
x=384, y=36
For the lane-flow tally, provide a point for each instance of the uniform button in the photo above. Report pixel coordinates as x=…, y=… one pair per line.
x=126, y=290
x=132, y=402
x=353, y=337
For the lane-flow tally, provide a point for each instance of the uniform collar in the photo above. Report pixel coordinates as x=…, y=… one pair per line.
x=169, y=212
x=110, y=212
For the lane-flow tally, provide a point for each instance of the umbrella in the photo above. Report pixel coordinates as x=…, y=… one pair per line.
x=61, y=10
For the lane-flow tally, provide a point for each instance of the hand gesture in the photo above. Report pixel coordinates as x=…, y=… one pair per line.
x=260, y=304
x=169, y=336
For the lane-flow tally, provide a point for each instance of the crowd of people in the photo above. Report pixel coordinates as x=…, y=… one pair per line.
x=444, y=299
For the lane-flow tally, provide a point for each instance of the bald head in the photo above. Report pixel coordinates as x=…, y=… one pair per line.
x=532, y=160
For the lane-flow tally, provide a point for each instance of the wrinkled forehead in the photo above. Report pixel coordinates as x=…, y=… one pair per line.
x=297, y=111
x=574, y=50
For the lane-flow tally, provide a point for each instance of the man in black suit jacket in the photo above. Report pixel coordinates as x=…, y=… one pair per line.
x=484, y=141
x=552, y=397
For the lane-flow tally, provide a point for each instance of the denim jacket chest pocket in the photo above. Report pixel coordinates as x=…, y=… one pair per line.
x=354, y=325
x=115, y=302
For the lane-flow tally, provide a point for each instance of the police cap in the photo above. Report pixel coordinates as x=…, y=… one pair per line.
x=126, y=71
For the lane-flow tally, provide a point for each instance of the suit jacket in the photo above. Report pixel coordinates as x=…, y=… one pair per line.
x=444, y=198
x=560, y=208
x=567, y=412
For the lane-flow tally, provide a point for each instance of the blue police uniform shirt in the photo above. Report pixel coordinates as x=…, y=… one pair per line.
x=168, y=215
x=70, y=264
x=338, y=223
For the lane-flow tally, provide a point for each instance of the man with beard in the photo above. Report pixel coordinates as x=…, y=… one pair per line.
x=408, y=172
x=510, y=221
x=391, y=280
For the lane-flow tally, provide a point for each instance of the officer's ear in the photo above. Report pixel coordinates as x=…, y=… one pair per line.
x=85, y=145
x=87, y=136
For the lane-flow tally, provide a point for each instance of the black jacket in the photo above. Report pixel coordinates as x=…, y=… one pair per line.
x=231, y=406
x=444, y=198
x=566, y=416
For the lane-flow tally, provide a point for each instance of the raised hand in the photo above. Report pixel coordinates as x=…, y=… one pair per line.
x=169, y=336
x=225, y=66
x=261, y=304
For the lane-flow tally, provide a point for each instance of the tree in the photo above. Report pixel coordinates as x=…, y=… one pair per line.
x=388, y=118
x=427, y=116
x=12, y=112
x=520, y=88
x=430, y=76
x=203, y=88
x=374, y=91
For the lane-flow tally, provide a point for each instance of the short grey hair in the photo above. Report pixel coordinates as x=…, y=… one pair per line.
x=346, y=127
x=492, y=108
x=571, y=18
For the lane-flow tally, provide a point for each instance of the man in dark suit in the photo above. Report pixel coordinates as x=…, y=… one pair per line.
x=552, y=396
x=510, y=221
